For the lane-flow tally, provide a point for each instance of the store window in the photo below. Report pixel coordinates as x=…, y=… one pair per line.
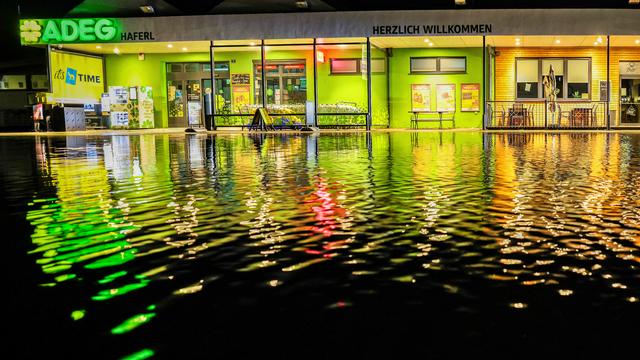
x=237, y=92
x=378, y=66
x=174, y=68
x=39, y=82
x=578, y=79
x=191, y=67
x=557, y=65
x=286, y=84
x=572, y=77
x=345, y=66
x=527, y=79
x=13, y=82
x=438, y=65
x=342, y=97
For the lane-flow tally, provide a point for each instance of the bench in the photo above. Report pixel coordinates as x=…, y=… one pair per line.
x=432, y=116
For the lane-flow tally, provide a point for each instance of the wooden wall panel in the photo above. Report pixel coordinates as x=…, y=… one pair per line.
x=505, y=66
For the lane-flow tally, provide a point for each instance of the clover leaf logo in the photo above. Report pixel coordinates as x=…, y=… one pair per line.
x=30, y=31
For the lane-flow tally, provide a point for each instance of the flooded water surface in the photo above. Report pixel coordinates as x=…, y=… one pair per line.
x=340, y=245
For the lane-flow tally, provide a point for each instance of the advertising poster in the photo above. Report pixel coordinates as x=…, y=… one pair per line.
x=470, y=100
x=37, y=112
x=420, y=97
x=240, y=79
x=145, y=104
x=105, y=103
x=241, y=96
x=119, y=119
x=195, y=110
x=132, y=108
x=446, y=97
x=75, y=78
x=119, y=98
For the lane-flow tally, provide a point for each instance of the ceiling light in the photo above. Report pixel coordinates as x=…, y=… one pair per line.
x=461, y=2
x=600, y=39
x=98, y=47
x=595, y=43
x=252, y=43
x=116, y=50
x=634, y=2
x=184, y=49
x=517, y=39
x=169, y=46
x=558, y=41
x=302, y=4
x=147, y=9
x=638, y=41
x=427, y=40
x=430, y=44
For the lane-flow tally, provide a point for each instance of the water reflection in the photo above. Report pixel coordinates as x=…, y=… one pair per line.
x=479, y=220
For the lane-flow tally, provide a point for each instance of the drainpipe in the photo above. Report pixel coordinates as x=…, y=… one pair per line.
x=264, y=77
x=608, y=84
x=315, y=82
x=368, y=84
x=212, y=124
x=484, y=80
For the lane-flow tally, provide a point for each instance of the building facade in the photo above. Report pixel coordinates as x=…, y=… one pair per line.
x=526, y=69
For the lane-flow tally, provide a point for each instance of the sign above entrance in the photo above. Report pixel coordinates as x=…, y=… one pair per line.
x=73, y=31
x=59, y=31
x=457, y=29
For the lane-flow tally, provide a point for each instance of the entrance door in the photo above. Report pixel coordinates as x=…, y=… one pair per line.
x=207, y=99
x=194, y=102
x=176, y=103
x=630, y=100
x=186, y=93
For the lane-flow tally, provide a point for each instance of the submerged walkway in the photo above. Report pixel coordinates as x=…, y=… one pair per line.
x=176, y=131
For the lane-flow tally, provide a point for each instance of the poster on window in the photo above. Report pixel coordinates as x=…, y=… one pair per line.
x=470, y=97
x=119, y=119
x=446, y=97
x=194, y=109
x=145, y=104
x=240, y=79
x=420, y=97
x=241, y=97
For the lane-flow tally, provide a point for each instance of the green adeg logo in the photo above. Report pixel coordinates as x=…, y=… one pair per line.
x=57, y=31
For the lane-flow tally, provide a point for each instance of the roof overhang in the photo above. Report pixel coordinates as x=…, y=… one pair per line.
x=333, y=24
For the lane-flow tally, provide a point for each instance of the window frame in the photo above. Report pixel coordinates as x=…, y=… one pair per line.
x=565, y=84
x=438, y=67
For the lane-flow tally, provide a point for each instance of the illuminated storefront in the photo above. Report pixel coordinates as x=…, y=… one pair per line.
x=397, y=69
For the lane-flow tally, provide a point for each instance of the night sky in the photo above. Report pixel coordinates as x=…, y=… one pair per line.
x=12, y=10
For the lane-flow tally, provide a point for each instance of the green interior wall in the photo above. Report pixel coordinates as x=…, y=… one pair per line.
x=401, y=81
x=127, y=70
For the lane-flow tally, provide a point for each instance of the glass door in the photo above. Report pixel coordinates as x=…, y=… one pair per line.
x=194, y=102
x=175, y=100
x=630, y=101
x=273, y=90
x=223, y=97
x=207, y=98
